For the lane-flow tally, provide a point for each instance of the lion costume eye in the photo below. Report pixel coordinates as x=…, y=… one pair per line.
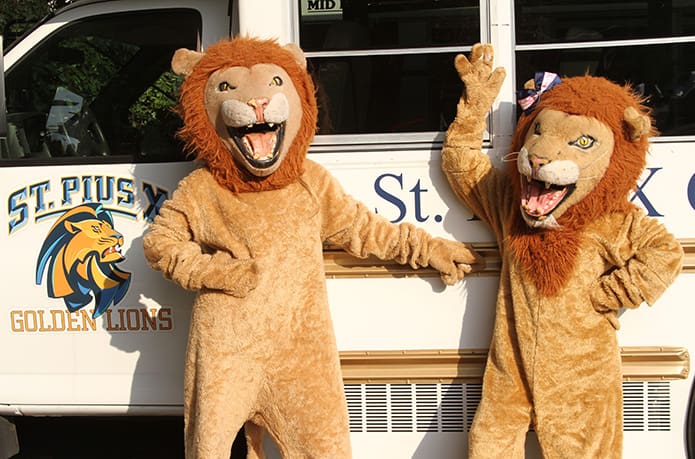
x=277, y=81
x=537, y=128
x=584, y=142
x=224, y=86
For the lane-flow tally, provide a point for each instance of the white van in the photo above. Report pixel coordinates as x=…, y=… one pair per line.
x=89, y=128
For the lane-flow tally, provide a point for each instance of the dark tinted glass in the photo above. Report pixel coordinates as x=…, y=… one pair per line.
x=386, y=94
x=100, y=88
x=664, y=74
x=559, y=21
x=362, y=24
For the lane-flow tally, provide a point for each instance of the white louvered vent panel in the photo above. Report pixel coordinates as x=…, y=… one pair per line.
x=377, y=409
x=410, y=407
x=633, y=406
x=451, y=407
x=659, y=406
x=426, y=407
x=402, y=408
x=354, y=393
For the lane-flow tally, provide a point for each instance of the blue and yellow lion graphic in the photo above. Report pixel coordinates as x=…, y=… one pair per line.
x=80, y=253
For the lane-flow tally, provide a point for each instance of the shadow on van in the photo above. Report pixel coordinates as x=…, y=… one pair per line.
x=152, y=321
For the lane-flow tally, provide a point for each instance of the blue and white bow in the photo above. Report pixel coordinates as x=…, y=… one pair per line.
x=542, y=81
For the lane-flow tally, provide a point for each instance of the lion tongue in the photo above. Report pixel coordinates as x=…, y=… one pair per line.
x=262, y=144
x=539, y=200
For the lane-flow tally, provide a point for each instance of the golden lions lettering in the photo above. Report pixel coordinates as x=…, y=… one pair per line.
x=60, y=320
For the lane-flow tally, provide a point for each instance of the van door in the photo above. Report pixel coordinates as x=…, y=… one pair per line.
x=90, y=156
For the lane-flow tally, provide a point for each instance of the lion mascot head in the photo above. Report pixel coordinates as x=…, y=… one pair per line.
x=580, y=151
x=249, y=111
x=80, y=254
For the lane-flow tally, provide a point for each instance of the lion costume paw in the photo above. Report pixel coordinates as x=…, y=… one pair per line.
x=452, y=259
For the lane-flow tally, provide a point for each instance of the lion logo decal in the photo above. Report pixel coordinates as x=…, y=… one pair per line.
x=80, y=255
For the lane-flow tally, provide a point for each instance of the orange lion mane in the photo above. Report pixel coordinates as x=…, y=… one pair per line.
x=549, y=255
x=200, y=136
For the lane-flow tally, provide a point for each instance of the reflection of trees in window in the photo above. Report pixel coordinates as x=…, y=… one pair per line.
x=157, y=102
x=118, y=68
x=19, y=16
x=84, y=65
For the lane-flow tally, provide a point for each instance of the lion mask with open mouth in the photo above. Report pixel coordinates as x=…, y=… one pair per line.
x=580, y=153
x=249, y=111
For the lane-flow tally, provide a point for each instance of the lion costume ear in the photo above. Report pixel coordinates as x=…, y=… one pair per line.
x=637, y=123
x=184, y=60
x=297, y=53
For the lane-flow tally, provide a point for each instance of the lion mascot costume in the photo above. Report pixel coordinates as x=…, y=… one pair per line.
x=246, y=232
x=574, y=252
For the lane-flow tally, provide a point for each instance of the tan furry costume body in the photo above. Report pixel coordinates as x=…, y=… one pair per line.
x=554, y=361
x=248, y=237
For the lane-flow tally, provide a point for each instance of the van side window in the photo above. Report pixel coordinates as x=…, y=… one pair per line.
x=100, y=88
x=649, y=44
x=387, y=67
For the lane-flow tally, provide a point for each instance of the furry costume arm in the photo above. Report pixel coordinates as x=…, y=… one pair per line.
x=350, y=225
x=170, y=246
x=646, y=260
x=469, y=171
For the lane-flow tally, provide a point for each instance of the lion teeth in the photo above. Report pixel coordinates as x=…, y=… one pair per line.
x=271, y=124
x=248, y=146
x=547, y=185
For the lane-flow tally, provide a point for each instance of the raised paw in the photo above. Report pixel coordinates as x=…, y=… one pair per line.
x=482, y=82
x=482, y=55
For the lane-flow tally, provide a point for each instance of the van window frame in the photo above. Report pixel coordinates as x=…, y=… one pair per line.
x=395, y=140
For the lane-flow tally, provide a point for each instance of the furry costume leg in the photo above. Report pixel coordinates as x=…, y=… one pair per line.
x=212, y=422
x=509, y=440
x=490, y=438
x=254, y=441
x=321, y=431
x=219, y=394
x=594, y=431
x=580, y=415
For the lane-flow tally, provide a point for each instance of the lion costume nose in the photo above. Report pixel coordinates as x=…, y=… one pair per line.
x=537, y=162
x=259, y=104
